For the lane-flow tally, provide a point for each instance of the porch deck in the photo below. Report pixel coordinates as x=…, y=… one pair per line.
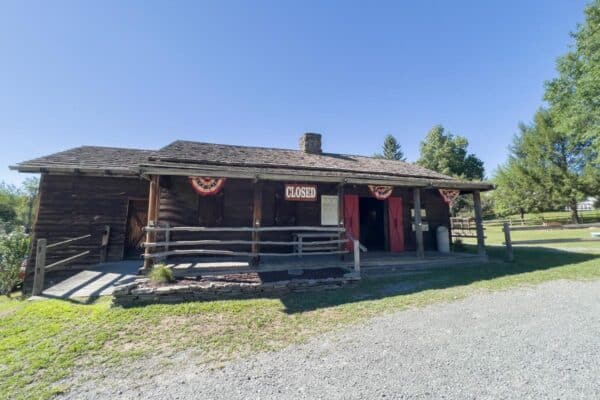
x=100, y=279
x=372, y=263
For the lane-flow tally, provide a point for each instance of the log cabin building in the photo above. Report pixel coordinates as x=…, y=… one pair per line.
x=388, y=206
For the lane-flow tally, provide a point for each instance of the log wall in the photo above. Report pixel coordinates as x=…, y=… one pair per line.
x=72, y=206
x=180, y=205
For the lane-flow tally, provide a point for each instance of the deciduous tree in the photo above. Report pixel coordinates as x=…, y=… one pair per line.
x=574, y=95
x=445, y=153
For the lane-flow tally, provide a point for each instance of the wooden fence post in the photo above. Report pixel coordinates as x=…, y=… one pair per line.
x=356, y=255
x=40, y=265
x=167, y=237
x=479, y=223
x=104, y=244
x=509, y=250
x=418, y=222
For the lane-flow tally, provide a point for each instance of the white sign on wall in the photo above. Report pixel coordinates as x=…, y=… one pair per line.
x=329, y=210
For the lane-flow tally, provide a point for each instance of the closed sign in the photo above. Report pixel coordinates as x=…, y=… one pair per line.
x=299, y=192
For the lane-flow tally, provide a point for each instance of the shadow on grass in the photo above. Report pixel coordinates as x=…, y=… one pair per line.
x=528, y=259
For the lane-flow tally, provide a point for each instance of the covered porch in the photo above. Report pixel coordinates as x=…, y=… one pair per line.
x=252, y=224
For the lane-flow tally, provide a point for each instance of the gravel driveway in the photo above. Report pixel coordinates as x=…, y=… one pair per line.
x=528, y=343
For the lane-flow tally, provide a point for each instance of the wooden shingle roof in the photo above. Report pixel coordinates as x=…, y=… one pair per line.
x=88, y=158
x=195, y=158
x=194, y=153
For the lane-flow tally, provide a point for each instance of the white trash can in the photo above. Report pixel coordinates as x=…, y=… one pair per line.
x=443, y=240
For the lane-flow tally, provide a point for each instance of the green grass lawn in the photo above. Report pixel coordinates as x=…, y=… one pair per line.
x=42, y=342
x=562, y=239
x=551, y=216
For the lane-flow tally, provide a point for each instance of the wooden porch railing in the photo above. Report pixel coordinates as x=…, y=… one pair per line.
x=299, y=245
x=463, y=227
x=42, y=247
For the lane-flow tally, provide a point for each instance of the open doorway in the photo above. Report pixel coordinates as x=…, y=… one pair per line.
x=137, y=218
x=372, y=223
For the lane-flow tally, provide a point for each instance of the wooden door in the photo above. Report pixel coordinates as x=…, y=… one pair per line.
x=396, y=224
x=137, y=218
x=351, y=218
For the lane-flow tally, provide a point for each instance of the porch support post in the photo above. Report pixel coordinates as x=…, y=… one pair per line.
x=340, y=193
x=153, y=199
x=256, y=221
x=479, y=223
x=418, y=222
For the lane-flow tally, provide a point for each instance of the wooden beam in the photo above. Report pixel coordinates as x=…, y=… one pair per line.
x=104, y=244
x=236, y=253
x=348, y=177
x=418, y=222
x=40, y=268
x=152, y=212
x=53, y=245
x=66, y=260
x=256, y=220
x=508, y=243
x=179, y=243
x=341, y=215
x=356, y=251
x=479, y=223
x=244, y=229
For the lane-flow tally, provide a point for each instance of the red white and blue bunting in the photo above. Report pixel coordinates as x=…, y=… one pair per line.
x=449, y=195
x=207, y=186
x=381, y=192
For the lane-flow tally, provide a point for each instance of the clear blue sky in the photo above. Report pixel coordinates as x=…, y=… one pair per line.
x=141, y=74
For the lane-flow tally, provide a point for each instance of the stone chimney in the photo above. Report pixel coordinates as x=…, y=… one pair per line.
x=311, y=143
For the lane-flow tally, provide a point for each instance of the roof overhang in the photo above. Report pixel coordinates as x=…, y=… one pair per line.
x=270, y=174
x=267, y=174
x=70, y=170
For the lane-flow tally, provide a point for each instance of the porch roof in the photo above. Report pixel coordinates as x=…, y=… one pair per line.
x=208, y=159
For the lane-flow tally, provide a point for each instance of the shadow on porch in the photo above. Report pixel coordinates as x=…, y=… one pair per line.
x=371, y=263
x=401, y=275
x=89, y=283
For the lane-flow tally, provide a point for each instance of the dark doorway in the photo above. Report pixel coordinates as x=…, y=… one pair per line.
x=372, y=223
x=137, y=218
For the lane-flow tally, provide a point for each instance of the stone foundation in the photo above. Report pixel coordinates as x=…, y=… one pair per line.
x=142, y=291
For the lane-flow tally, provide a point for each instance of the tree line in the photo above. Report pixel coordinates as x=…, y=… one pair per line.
x=18, y=205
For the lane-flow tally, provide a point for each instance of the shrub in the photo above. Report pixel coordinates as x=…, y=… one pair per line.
x=13, y=250
x=161, y=274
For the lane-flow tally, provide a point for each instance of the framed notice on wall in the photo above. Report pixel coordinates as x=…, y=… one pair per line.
x=329, y=210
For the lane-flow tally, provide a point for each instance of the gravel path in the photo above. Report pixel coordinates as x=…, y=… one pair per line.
x=528, y=343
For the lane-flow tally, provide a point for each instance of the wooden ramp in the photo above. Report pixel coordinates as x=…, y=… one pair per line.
x=99, y=280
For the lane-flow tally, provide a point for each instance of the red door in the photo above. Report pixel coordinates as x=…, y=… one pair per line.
x=396, y=224
x=351, y=222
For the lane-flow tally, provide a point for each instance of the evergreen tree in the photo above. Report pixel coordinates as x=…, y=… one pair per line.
x=391, y=149
x=546, y=170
